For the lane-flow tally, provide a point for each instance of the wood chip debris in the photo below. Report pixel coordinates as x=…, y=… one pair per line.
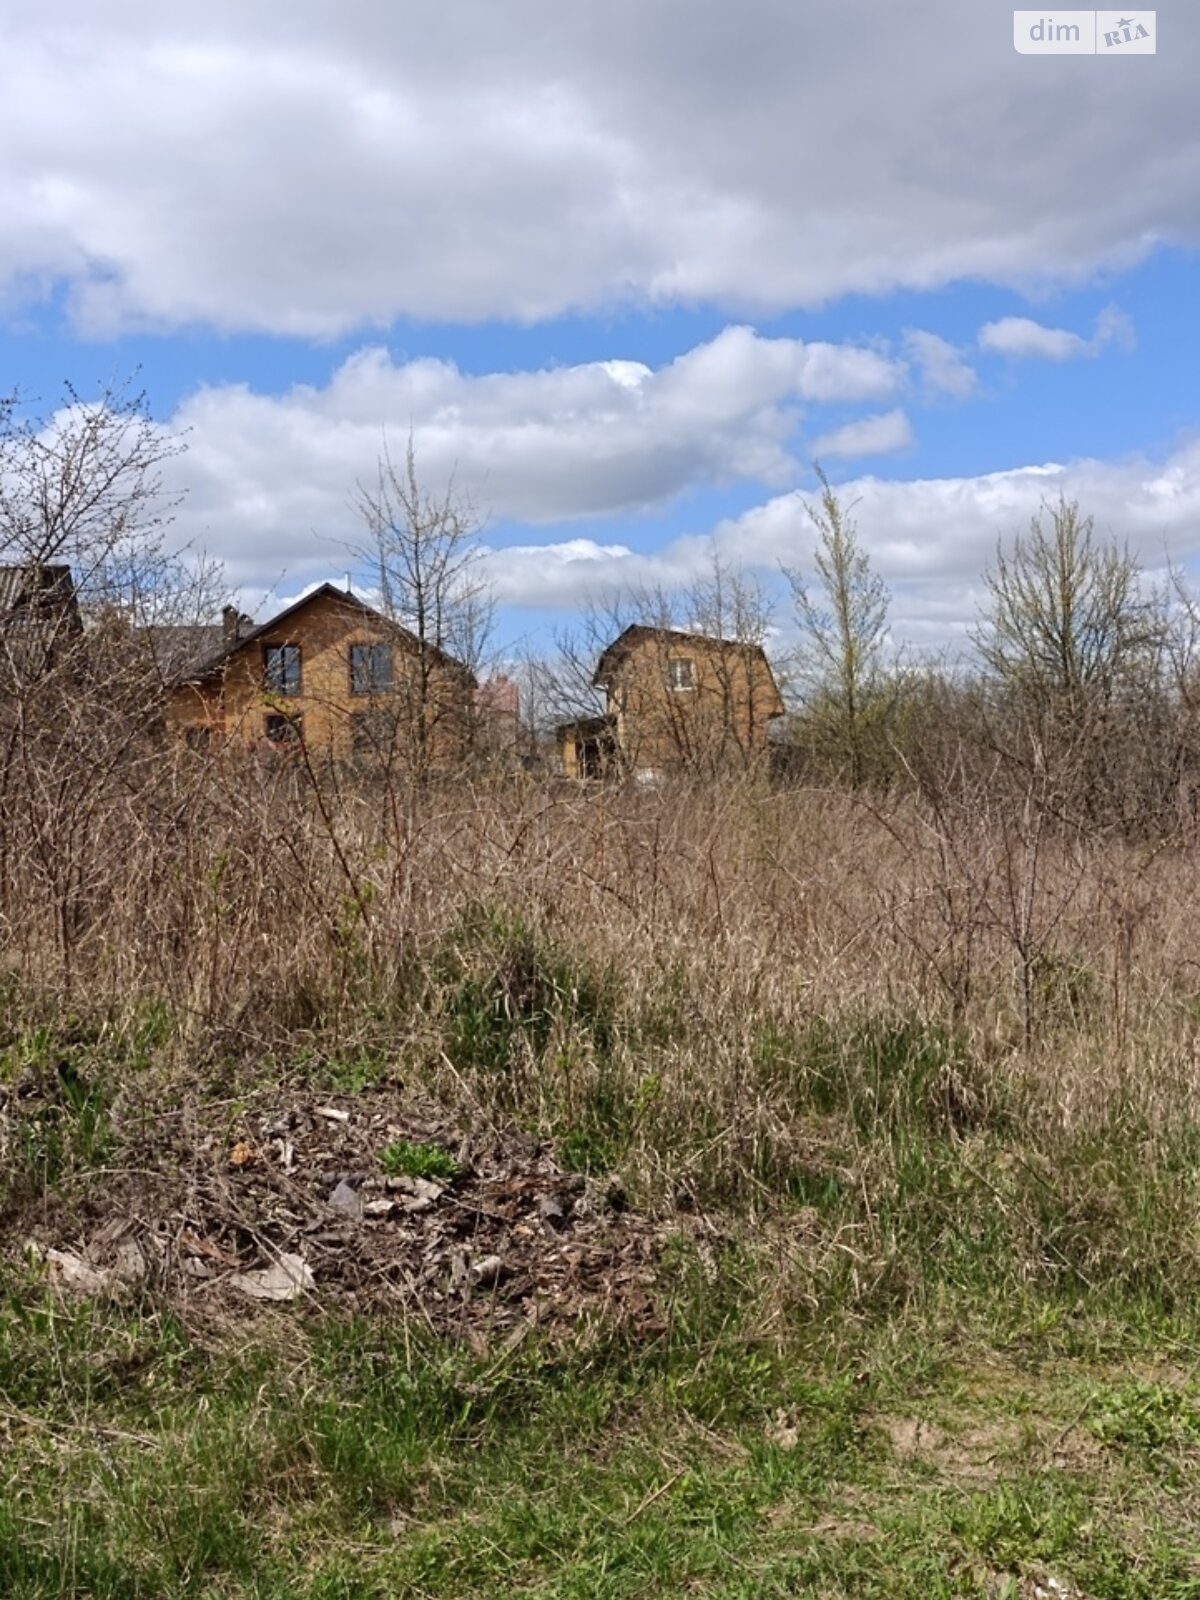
x=511, y=1241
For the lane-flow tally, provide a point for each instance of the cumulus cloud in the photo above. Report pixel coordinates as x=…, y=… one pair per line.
x=270, y=476
x=867, y=436
x=1022, y=337
x=947, y=528
x=564, y=574
x=930, y=538
x=315, y=169
x=942, y=366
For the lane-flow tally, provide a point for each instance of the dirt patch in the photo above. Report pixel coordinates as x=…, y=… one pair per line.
x=844, y=1530
x=1075, y=1450
x=292, y=1195
x=975, y=1451
x=850, y=1524
x=971, y=1454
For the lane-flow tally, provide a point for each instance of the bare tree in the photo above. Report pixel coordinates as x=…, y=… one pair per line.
x=724, y=603
x=717, y=725
x=1073, y=643
x=89, y=584
x=83, y=485
x=84, y=512
x=1067, y=622
x=566, y=679
x=843, y=631
x=424, y=552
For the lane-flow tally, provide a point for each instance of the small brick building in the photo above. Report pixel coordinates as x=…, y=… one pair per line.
x=674, y=701
x=334, y=672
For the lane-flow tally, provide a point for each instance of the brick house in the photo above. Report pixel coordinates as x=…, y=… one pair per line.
x=333, y=671
x=40, y=620
x=498, y=716
x=674, y=701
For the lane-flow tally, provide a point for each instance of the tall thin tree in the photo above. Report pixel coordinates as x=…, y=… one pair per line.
x=843, y=623
x=424, y=551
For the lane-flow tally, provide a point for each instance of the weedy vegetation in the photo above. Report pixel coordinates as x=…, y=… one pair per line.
x=412, y=1160
x=895, y=1051
x=926, y=1287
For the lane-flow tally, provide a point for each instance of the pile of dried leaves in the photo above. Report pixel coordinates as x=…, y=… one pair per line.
x=295, y=1195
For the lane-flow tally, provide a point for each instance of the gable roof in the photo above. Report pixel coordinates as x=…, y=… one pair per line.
x=638, y=633
x=499, y=695
x=179, y=648
x=327, y=591
x=37, y=592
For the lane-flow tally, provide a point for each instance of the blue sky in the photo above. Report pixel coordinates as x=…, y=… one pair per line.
x=624, y=270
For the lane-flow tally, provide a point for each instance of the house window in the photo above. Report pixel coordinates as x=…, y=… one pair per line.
x=370, y=668
x=362, y=735
x=681, y=673
x=281, y=668
x=283, y=731
x=197, y=738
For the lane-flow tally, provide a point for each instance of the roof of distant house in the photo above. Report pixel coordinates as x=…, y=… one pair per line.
x=499, y=694
x=229, y=647
x=33, y=588
x=180, y=648
x=638, y=633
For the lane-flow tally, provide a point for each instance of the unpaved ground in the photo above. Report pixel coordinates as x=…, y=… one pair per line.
x=286, y=1193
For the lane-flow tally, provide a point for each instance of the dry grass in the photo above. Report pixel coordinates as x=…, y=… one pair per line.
x=910, y=1091
x=220, y=885
x=731, y=994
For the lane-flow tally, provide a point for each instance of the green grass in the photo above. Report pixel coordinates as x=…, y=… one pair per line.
x=939, y=1453
x=404, y=1158
x=925, y=1334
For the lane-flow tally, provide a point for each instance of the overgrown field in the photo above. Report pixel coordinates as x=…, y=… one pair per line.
x=716, y=1191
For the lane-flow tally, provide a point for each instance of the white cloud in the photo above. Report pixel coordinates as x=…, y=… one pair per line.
x=563, y=575
x=271, y=477
x=1021, y=336
x=943, y=368
x=324, y=168
x=930, y=538
x=867, y=436
x=933, y=538
x=1114, y=326
x=946, y=528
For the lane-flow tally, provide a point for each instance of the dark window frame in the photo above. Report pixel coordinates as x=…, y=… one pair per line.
x=282, y=686
x=365, y=741
x=361, y=742
x=362, y=688
x=274, y=734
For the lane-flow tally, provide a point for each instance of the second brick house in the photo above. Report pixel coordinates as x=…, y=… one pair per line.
x=332, y=671
x=674, y=701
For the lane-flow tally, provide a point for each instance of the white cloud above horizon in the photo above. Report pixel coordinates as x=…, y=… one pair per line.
x=269, y=478
x=931, y=539
x=1021, y=337
x=880, y=434
x=320, y=170
x=602, y=438
x=943, y=367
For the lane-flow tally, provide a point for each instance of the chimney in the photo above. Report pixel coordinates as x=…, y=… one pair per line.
x=231, y=624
